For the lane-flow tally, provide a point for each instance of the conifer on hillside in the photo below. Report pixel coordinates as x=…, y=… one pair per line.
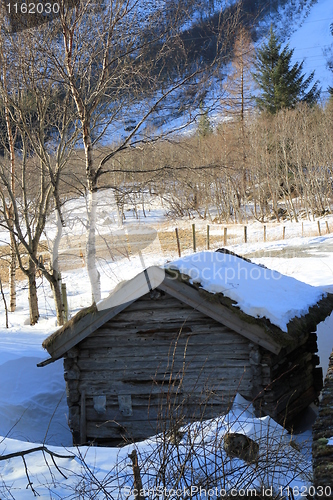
x=282, y=83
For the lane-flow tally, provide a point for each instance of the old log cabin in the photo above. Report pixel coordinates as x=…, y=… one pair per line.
x=176, y=344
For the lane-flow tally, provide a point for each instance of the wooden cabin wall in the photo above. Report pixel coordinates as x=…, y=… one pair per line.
x=290, y=382
x=159, y=361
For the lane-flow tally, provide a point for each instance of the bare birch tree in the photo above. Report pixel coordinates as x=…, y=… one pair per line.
x=43, y=115
x=126, y=65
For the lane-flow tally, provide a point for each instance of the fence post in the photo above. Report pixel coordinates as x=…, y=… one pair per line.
x=178, y=243
x=265, y=233
x=327, y=228
x=302, y=229
x=193, y=234
x=319, y=230
x=245, y=234
x=225, y=236
x=207, y=236
x=284, y=232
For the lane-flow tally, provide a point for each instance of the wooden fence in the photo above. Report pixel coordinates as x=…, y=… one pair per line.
x=206, y=240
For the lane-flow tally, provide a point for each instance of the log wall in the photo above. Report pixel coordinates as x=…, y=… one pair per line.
x=291, y=382
x=157, y=361
x=160, y=362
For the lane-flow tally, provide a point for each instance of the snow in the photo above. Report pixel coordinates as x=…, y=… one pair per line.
x=258, y=292
x=307, y=259
x=200, y=449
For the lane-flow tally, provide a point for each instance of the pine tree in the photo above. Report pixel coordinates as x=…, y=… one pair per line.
x=282, y=84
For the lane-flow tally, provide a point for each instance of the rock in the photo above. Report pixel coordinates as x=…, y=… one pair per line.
x=240, y=446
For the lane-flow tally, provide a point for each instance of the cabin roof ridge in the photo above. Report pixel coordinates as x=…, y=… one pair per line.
x=182, y=287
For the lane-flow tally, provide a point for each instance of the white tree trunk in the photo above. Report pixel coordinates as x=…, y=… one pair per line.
x=55, y=283
x=94, y=276
x=12, y=274
x=56, y=244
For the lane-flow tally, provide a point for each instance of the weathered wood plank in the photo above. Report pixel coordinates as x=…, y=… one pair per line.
x=148, y=330
x=198, y=333
x=117, y=367
x=289, y=387
x=149, y=327
x=206, y=339
x=191, y=370
x=97, y=385
x=141, y=428
x=85, y=327
x=300, y=361
x=161, y=315
x=145, y=303
x=119, y=370
x=158, y=346
x=161, y=384
x=141, y=416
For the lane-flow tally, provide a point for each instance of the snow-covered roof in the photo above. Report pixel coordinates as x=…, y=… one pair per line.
x=257, y=291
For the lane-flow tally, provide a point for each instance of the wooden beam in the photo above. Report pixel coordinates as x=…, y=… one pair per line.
x=87, y=325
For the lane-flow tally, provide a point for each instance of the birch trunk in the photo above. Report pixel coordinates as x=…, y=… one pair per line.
x=55, y=283
x=55, y=287
x=33, y=301
x=12, y=272
x=94, y=276
x=55, y=246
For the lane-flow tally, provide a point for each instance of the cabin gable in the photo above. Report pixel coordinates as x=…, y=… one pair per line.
x=157, y=360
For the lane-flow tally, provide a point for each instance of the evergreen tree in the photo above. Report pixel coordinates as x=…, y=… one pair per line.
x=282, y=84
x=204, y=125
